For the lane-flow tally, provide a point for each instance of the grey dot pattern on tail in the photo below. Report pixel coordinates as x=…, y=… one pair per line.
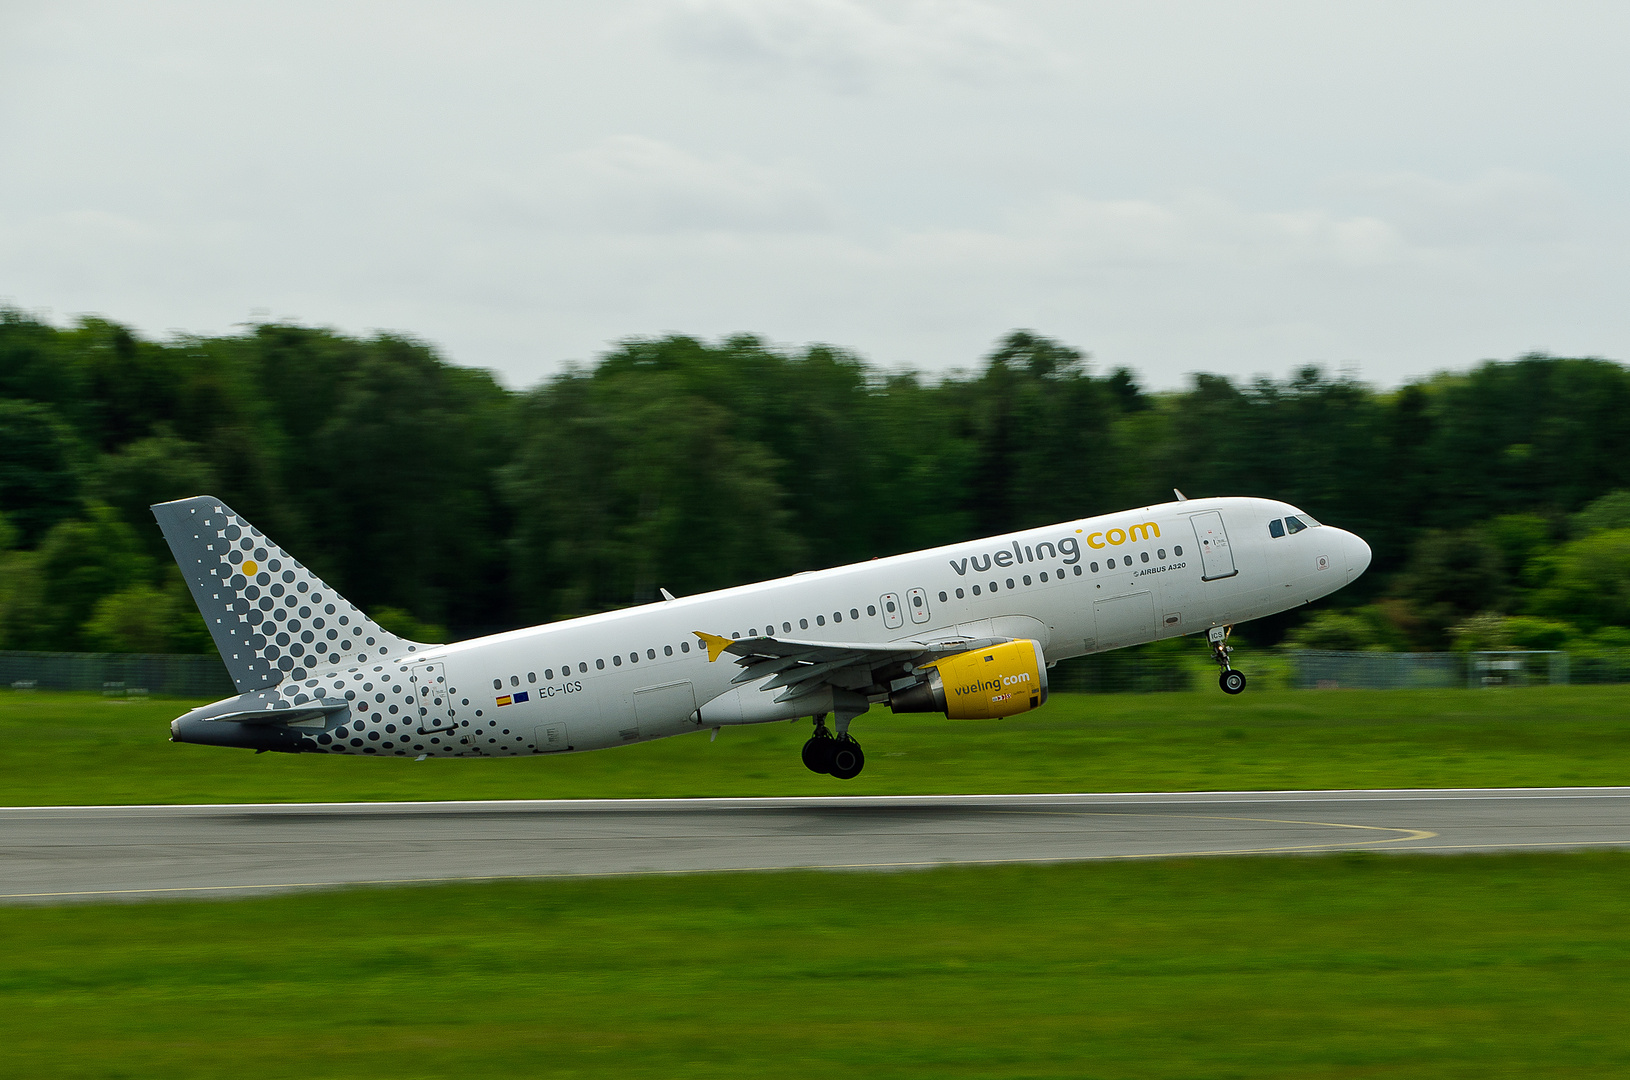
x=287, y=618
x=292, y=644
x=273, y=620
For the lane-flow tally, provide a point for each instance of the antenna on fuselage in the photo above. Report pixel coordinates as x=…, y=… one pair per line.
x=1180, y=496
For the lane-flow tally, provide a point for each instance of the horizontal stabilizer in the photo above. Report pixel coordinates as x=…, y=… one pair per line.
x=278, y=716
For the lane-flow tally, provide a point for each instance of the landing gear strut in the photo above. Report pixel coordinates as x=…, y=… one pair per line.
x=1231, y=681
x=838, y=755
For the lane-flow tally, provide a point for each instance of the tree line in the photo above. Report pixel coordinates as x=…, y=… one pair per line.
x=433, y=495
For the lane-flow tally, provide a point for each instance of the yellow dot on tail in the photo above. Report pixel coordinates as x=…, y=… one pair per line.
x=249, y=568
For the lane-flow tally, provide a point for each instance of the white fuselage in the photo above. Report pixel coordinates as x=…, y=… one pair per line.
x=636, y=674
x=641, y=673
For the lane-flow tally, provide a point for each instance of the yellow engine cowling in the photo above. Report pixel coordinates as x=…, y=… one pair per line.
x=981, y=684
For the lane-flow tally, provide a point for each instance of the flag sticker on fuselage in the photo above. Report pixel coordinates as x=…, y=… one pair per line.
x=513, y=699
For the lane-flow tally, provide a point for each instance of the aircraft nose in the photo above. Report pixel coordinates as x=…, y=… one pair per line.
x=1358, y=556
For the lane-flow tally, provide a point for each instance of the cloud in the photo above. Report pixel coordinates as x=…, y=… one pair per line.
x=1497, y=207
x=851, y=46
x=629, y=184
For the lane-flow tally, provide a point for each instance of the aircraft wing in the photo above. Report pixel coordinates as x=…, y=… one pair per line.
x=796, y=668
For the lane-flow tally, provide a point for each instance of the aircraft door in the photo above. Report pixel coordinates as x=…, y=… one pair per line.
x=433, y=698
x=917, y=602
x=892, y=616
x=1216, y=556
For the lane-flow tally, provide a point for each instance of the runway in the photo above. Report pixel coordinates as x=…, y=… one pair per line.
x=104, y=853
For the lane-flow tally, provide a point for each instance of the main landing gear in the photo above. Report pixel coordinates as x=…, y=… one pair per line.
x=1231, y=681
x=838, y=755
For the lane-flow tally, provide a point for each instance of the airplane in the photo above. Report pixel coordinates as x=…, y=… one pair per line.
x=968, y=630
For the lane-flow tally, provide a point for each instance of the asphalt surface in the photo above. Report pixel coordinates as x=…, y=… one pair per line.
x=102, y=853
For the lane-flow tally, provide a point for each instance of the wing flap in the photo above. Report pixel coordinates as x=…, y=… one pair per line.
x=794, y=669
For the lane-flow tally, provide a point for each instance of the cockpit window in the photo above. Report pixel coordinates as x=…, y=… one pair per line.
x=1276, y=527
x=1294, y=524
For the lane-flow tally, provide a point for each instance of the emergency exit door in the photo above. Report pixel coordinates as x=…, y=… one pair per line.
x=1216, y=557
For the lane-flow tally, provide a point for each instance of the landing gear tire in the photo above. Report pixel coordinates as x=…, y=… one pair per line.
x=1231, y=681
x=818, y=753
x=847, y=758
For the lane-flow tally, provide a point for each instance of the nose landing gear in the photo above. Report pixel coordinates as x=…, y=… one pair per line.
x=1231, y=681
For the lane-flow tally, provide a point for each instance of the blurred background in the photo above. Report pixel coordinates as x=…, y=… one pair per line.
x=485, y=310
x=1497, y=500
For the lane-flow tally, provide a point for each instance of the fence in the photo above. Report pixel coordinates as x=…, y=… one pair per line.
x=117, y=673
x=1140, y=671
x=1124, y=671
x=1319, y=670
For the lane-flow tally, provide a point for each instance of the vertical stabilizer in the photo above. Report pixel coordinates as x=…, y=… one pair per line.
x=272, y=619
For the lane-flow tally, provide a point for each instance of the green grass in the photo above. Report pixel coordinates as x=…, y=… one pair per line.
x=1350, y=966
x=68, y=748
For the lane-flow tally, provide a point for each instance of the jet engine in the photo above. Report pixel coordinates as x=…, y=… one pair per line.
x=980, y=684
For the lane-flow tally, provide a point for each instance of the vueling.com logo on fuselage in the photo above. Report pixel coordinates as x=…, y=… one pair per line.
x=982, y=685
x=1068, y=549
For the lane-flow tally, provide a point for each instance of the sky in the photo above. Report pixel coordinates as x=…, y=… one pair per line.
x=1383, y=188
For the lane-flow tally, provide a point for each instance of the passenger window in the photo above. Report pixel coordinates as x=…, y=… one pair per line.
x=532, y=676
x=667, y=650
x=617, y=661
x=1077, y=569
x=1010, y=583
x=1161, y=554
x=1144, y=555
x=976, y=590
x=1044, y=577
x=1294, y=525
x=803, y=624
x=820, y=620
x=1094, y=568
x=854, y=613
x=599, y=665
x=943, y=597
x=837, y=616
x=633, y=658
x=871, y=609
x=959, y=594
x=994, y=587
x=1276, y=528
x=1178, y=551
x=916, y=601
x=753, y=632
x=684, y=646
x=549, y=674
x=514, y=680
x=786, y=628
x=1027, y=579
x=650, y=654
x=498, y=684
